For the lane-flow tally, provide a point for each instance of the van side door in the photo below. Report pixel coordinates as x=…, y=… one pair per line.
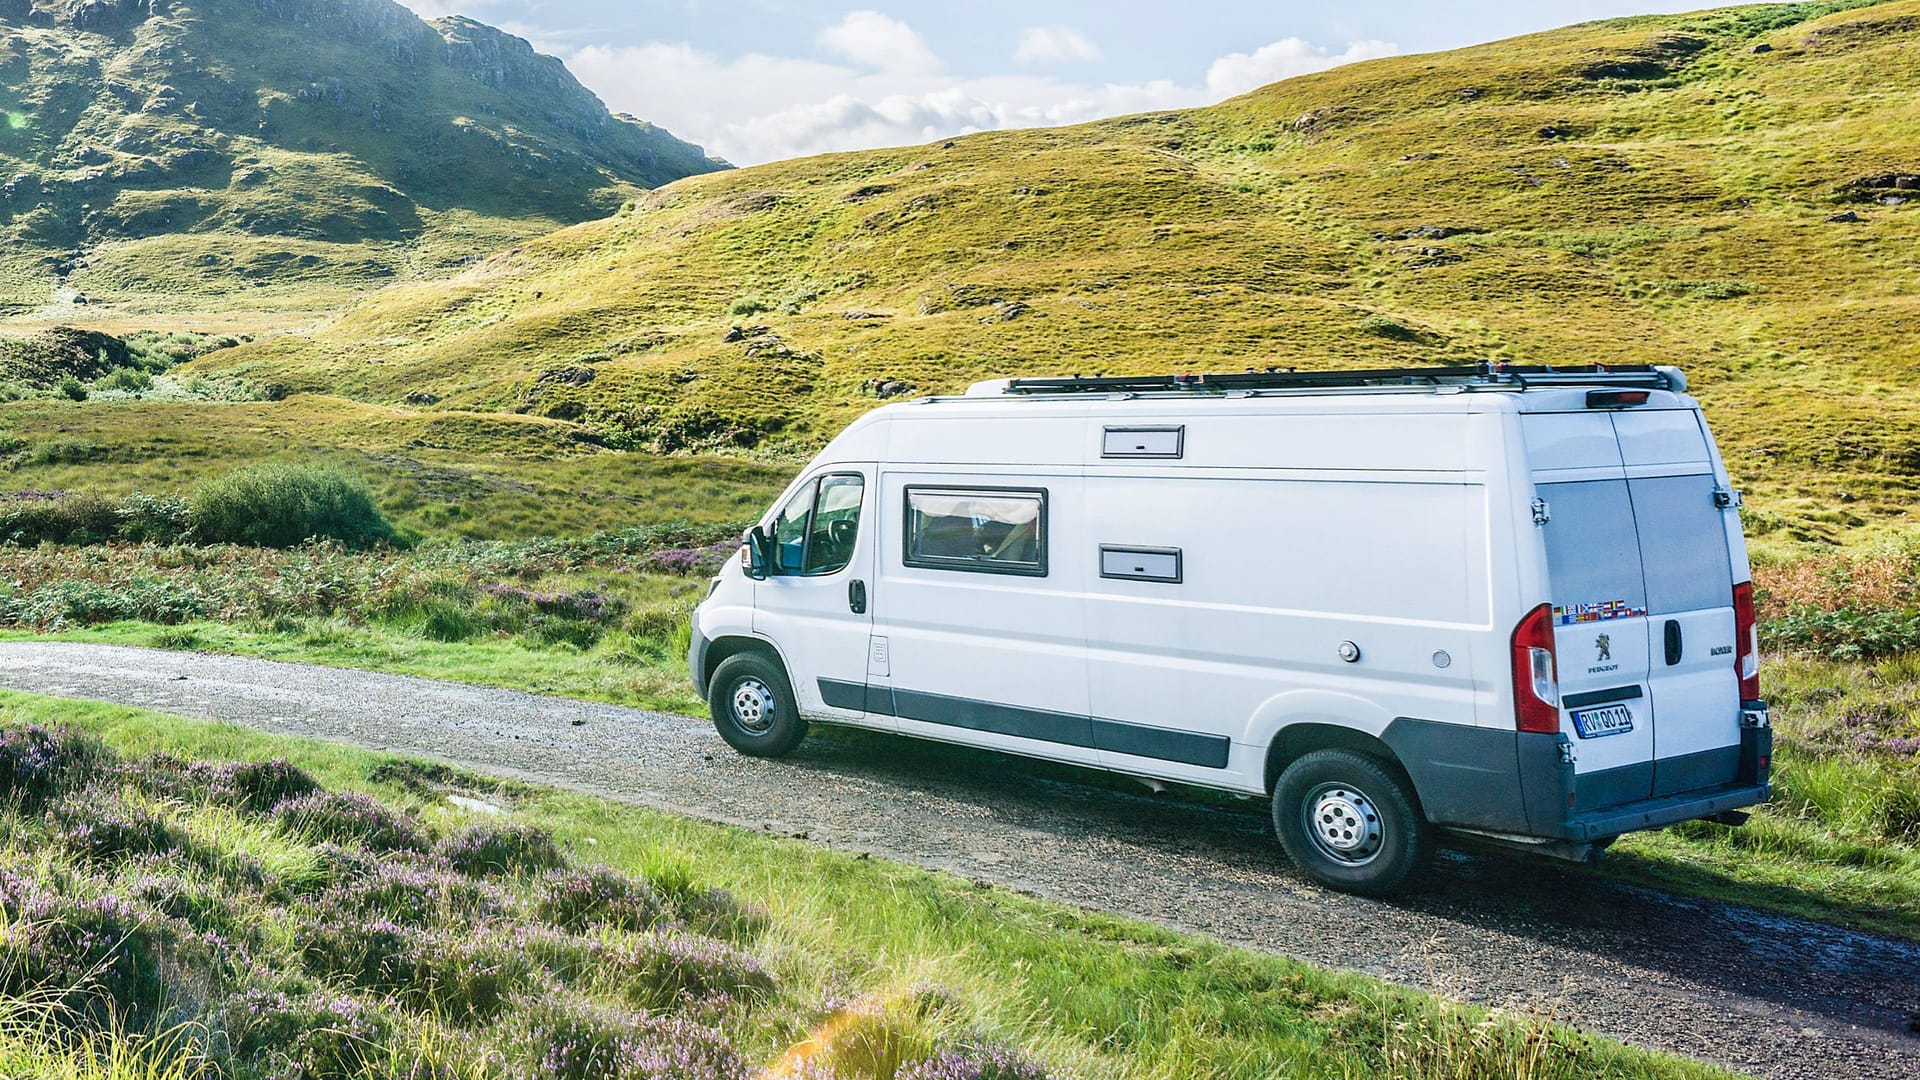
x=983, y=625
x=817, y=602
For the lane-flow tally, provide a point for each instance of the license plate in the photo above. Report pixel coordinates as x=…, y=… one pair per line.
x=1595, y=723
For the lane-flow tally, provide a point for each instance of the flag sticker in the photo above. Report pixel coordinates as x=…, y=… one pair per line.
x=1602, y=611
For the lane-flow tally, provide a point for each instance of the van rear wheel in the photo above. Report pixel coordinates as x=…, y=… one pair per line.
x=753, y=707
x=1350, y=822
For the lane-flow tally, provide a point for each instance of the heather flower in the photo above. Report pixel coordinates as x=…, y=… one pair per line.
x=373, y=953
x=262, y=785
x=658, y=970
x=346, y=817
x=597, y=896
x=306, y=1036
x=108, y=829
x=38, y=763
x=501, y=849
x=702, y=560
x=990, y=1061
x=414, y=893
x=580, y=1041
x=102, y=957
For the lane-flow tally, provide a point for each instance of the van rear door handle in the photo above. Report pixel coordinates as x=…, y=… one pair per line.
x=857, y=596
x=1673, y=642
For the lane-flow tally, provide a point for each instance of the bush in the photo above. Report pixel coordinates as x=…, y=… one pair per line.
x=416, y=895
x=347, y=817
x=102, y=959
x=63, y=451
x=81, y=517
x=990, y=1061
x=1846, y=634
x=579, y=1041
x=280, y=505
x=38, y=763
x=113, y=829
x=306, y=1037
x=597, y=896
x=501, y=849
x=262, y=785
x=660, y=970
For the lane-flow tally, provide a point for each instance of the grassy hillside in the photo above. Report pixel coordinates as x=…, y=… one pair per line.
x=1733, y=191
x=275, y=154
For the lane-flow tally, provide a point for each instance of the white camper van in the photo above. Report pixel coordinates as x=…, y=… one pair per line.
x=1506, y=601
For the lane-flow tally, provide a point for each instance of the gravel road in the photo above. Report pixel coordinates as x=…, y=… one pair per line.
x=1775, y=996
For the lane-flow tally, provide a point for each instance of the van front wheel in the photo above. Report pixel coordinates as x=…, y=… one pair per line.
x=753, y=707
x=1349, y=822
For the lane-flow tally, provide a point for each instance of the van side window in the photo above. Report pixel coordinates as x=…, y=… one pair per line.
x=983, y=530
x=815, y=532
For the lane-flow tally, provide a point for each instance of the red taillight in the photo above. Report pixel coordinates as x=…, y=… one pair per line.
x=1616, y=399
x=1536, y=677
x=1746, y=642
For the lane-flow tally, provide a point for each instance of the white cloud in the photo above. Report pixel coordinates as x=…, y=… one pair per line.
x=873, y=40
x=1055, y=45
x=1237, y=73
x=892, y=92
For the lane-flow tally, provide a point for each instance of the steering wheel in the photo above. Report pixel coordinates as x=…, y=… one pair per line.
x=841, y=533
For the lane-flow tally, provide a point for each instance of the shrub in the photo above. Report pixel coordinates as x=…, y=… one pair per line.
x=72, y=388
x=371, y=953
x=315, y=1036
x=262, y=785
x=38, y=763
x=990, y=1061
x=62, y=451
x=501, y=849
x=597, y=896
x=81, y=517
x=113, y=829
x=413, y=894
x=103, y=959
x=572, y=1040
x=659, y=970
x=347, y=817
x=281, y=505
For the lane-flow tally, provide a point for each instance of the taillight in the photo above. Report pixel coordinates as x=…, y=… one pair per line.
x=1746, y=642
x=1536, y=678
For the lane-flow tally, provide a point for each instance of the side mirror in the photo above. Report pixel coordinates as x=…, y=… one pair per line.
x=755, y=548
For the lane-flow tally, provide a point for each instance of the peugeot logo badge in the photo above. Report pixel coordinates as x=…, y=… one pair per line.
x=1605, y=644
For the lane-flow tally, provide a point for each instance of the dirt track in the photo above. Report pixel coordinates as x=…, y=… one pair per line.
x=1760, y=993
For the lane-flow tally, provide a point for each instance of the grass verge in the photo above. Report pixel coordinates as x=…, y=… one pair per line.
x=843, y=941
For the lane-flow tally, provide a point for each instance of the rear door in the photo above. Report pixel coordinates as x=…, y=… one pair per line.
x=1599, y=600
x=1693, y=689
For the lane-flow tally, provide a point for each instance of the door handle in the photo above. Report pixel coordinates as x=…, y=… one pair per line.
x=1673, y=642
x=857, y=596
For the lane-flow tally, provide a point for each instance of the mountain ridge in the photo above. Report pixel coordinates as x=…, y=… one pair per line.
x=289, y=135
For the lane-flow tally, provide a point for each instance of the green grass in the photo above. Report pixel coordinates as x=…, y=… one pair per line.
x=1099, y=995
x=1680, y=216
x=434, y=473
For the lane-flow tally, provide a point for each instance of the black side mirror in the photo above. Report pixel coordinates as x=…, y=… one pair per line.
x=758, y=549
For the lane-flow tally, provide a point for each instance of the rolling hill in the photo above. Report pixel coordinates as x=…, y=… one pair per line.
x=1733, y=191
x=163, y=156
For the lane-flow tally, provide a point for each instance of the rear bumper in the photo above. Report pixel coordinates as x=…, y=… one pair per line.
x=1557, y=808
x=1656, y=813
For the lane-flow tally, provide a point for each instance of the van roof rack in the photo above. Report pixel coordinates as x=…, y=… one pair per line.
x=1486, y=375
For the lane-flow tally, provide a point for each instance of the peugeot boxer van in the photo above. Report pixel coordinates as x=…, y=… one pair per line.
x=1512, y=602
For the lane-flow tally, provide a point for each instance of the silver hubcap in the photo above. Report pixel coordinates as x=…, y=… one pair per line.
x=1343, y=823
x=753, y=706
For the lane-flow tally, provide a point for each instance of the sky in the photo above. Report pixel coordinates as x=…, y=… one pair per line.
x=760, y=80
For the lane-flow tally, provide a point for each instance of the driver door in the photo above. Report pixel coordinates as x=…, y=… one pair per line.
x=815, y=604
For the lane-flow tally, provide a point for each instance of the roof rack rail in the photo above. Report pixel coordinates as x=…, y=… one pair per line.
x=1491, y=376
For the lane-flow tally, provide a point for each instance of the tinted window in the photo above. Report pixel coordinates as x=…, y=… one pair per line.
x=1683, y=544
x=836, y=524
x=1593, y=552
x=989, y=530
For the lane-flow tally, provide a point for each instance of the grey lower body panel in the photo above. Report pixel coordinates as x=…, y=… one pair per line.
x=1524, y=784
x=697, y=660
x=1113, y=736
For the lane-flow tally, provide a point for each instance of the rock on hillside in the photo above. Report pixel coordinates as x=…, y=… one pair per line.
x=174, y=146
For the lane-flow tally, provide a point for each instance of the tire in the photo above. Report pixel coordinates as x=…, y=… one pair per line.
x=1350, y=822
x=753, y=706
